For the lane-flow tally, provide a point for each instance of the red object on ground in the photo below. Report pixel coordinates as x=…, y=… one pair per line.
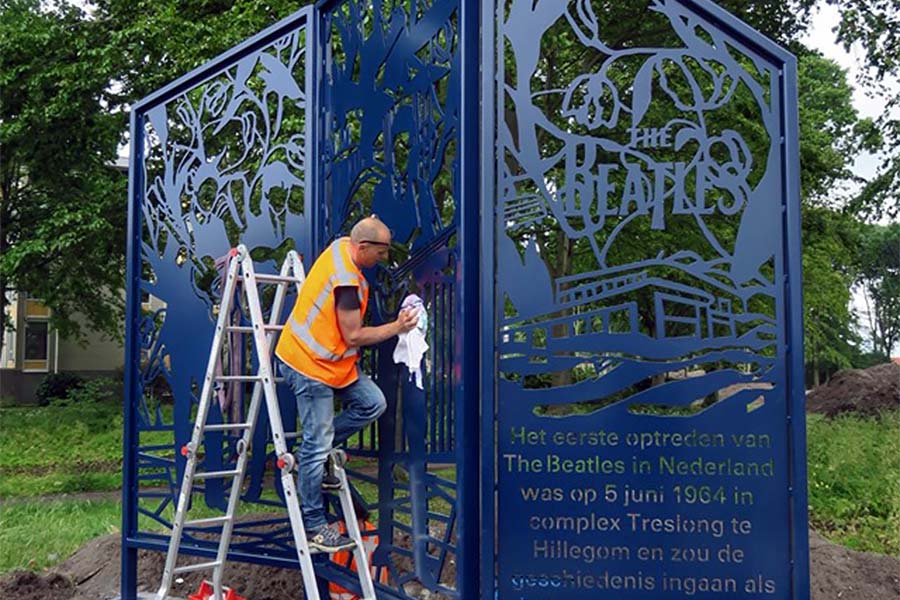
x=345, y=558
x=203, y=593
x=184, y=450
x=233, y=252
x=206, y=591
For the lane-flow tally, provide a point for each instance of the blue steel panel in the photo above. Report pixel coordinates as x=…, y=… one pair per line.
x=794, y=315
x=391, y=136
x=648, y=397
x=218, y=158
x=133, y=380
x=467, y=415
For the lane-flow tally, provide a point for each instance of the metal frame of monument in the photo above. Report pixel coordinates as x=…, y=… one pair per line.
x=577, y=351
x=224, y=157
x=396, y=102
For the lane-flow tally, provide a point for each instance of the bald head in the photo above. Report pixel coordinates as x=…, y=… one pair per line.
x=370, y=229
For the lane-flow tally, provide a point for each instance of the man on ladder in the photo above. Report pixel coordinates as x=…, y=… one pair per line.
x=318, y=351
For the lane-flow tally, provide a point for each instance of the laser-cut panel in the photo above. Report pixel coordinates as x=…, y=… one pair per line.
x=391, y=94
x=640, y=269
x=223, y=161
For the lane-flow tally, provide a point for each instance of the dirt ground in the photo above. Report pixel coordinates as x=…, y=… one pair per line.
x=92, y=573
x=864, y=391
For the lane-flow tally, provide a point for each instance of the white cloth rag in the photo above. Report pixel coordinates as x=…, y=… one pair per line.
x=411, y=346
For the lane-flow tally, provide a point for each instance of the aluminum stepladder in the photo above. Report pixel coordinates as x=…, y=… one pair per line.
x=264, y=334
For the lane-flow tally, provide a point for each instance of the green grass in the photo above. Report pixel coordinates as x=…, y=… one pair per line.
x=854, y=481
x=75, y=435
x=63, y=448
x=55, y=449
x=26, y=544
x=39, y=534
x=34, y=535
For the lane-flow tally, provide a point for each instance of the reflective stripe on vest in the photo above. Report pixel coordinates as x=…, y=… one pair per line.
x=303, y=331
x=311, y=342
x=306, y=337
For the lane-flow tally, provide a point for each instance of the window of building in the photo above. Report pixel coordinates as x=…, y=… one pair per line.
x=37, y=346
x=36, y=336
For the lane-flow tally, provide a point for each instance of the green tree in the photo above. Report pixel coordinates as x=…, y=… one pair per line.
x=831, y=132
x=157, y=41
x=830, y=135
x=829, y=259
x=874, y=25
x=879, y=281
x=68, y=79
x=61, y=205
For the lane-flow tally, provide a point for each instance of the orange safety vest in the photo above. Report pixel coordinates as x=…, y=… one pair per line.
x=311, y=341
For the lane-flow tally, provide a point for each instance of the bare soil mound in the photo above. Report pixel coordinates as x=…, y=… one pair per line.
x=837, y=572
x=864, y=391
x=94, y=569
x=25, y=585
x=92, y=573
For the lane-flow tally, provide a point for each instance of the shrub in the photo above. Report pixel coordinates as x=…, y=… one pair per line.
x=95, y=390
x=57, y=386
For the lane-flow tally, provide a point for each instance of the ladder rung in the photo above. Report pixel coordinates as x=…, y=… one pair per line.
x=249, y=329
x=197, y=567
x=266, y=278
x=244, y=378
x=207, y=522
x=227, y=426
x=216, y=474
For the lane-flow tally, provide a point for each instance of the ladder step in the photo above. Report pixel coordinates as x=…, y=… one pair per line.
x=208, y=521
x=244, y=378
x=216, y=474
x=266, y=278
x=249, y=329
x=227, y=426
x=197, y=567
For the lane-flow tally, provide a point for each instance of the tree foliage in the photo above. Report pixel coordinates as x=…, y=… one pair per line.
x=829, y=244
x=874, y=25
x=61, y=205
x=68, y=79
x=879, y=281
x=830, y=131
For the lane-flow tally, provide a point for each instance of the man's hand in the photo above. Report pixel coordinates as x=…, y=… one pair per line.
x=407, y=319
x=356, y=334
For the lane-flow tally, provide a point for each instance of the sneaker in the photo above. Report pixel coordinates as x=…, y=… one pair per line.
x=330, y=481
x=326, y=539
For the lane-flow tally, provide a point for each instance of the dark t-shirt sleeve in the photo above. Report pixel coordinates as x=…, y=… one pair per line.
x=346, y=297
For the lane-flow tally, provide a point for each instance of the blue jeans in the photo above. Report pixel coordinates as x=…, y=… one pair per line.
x=363, y=403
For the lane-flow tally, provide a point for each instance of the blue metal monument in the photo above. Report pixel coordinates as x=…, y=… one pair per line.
x=608, y=243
